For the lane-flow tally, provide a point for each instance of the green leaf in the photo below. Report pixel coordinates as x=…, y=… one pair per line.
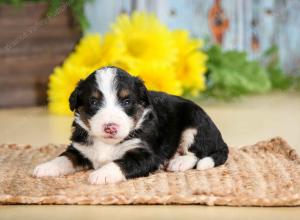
x=230, y=74
x=279, y=79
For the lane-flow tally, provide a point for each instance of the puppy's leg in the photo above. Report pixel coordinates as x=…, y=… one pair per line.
x=109, y=173
x=182, y=163
x=187, y=160
x=68, y=162
x=212, y=151
x=134, y=163
x=215, y=159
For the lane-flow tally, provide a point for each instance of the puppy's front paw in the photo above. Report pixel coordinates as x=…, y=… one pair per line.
x=182, y=163
x=56, y=167
x=109, y=173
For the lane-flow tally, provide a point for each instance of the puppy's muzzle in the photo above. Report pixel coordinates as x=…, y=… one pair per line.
x=111, y=128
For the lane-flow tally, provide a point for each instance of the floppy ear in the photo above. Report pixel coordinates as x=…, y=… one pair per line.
x=142, y=91
x=74, y=97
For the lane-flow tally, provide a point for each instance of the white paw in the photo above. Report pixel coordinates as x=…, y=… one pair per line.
x=56, y=167
x=182, y=163
x=205, y=163
x=109, y=173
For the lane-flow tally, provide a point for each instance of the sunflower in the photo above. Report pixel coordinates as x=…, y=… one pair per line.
x=62, y=83
x=112, y=50
x=158, y=78
x=144, y=39
x=87, y=52
x=95, y=52
x=190, y=63
x=168, y=61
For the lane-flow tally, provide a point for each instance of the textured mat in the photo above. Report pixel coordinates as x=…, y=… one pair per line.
x=265, y=174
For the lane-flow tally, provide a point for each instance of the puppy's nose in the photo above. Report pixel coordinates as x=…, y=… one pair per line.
x=111, y=128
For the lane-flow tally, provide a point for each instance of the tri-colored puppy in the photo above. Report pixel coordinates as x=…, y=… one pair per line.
x=123, y=131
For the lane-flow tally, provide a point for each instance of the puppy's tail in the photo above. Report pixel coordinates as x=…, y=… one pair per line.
x=215, y=159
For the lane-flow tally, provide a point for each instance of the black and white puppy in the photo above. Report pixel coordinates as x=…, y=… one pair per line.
x=123, y=131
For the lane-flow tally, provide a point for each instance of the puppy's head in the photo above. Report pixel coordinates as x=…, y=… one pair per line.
x=109, y=104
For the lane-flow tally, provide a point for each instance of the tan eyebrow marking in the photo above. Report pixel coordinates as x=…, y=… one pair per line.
x=83, y=116
x=124, y=93
x=96, y=94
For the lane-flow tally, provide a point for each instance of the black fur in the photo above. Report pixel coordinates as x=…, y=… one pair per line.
x=138, y=162
x=79, y=135
x=161, y=130
x=77, y=159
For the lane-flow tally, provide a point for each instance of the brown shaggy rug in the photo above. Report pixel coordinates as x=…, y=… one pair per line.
x=265, y=174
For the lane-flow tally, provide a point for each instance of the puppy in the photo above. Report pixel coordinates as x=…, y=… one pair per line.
x=123, y=131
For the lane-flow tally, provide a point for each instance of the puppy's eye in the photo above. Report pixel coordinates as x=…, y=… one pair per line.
x=126, y=102
x=93, y=101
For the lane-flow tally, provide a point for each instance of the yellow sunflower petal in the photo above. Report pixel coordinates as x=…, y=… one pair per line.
x=145, y=39
x=158, y=78
x=61, y=84
x=87, y=51
x=190, y=65
x=166, y=60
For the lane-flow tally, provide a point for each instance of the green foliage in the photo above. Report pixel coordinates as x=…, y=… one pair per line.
x=76, y=6
x=230, y=74
x=296, y=83
x=78, y=11
x=279, y=79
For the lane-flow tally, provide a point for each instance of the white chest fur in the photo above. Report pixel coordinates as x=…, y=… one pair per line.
x=101, y=153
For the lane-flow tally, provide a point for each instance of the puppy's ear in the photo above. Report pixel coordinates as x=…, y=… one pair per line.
x=142, y=91
x=74, y=97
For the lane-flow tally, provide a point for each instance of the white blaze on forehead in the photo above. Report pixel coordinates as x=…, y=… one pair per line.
x=105, y=79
